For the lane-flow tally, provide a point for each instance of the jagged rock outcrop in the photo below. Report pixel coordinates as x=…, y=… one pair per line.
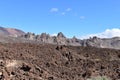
x=60, y=39
x=29, y=35
x=61, y=35
x=16, y=35
x=74, y=41
x=104, y=42
x=45, y=38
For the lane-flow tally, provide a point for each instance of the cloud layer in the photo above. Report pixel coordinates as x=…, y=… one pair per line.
x=68, y=9
x=108, y=33
x=60, y=12
x=82, y=17
x=54, y=10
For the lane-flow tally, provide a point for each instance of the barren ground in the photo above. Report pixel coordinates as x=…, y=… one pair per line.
x=25, y=61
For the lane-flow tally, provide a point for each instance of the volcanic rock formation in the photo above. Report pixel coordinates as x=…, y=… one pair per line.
x=60, y=39
x=15, y=35
x=28, y=61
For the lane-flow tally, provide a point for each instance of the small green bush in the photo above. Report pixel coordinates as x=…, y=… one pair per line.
x=99, y=78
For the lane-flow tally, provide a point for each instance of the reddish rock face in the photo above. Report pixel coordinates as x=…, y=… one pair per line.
x=11, y=32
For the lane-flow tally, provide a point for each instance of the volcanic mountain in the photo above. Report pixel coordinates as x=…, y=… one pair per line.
x=11, y=31
x=26, y=56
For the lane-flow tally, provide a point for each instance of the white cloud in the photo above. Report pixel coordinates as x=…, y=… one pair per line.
x=60, y=12
x=63, y=13
x=68, y=9
x=54, y=34
x=54, y=10
x=82, y=17
x=108, y=33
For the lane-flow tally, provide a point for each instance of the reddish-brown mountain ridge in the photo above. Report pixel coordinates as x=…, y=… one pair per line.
x=11, y=31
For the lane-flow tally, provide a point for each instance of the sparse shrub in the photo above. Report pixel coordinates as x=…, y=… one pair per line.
x=99, y=78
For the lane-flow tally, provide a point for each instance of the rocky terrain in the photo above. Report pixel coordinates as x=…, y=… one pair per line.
x=43, y=57
x=28, y=61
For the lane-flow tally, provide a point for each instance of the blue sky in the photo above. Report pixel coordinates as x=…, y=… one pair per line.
x=72, y=17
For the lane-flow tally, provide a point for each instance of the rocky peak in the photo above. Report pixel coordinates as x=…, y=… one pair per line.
x=61, y=35
x=44, y=35
x=74, y=38
x=95, y=38
x=29, y=35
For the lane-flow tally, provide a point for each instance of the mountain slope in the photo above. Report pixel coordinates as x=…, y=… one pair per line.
x=11, y=31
